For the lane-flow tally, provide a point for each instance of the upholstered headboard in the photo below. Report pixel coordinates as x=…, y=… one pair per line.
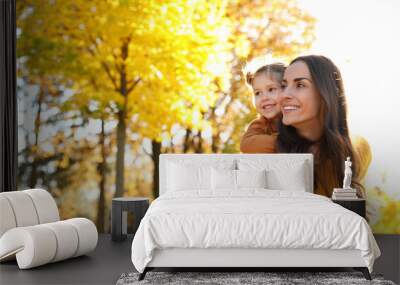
x=213, y=158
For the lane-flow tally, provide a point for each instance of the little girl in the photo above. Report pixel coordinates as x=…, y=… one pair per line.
x=265, y=82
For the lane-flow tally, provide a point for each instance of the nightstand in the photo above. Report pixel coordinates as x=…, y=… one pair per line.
x=357, y=206
x=119, y=211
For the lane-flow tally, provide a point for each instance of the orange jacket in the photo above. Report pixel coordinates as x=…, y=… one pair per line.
x=260, y=137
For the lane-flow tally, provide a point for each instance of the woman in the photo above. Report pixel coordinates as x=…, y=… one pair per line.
x=314, y=119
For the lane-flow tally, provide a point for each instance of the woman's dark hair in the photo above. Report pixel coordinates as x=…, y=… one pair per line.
x=334, y=145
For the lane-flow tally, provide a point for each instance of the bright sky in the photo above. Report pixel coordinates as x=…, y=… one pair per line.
x=363, y=39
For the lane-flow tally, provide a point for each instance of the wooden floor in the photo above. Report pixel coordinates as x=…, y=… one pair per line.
x=110, y=259
x=102, y=266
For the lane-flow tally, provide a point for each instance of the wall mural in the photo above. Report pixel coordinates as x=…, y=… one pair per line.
x=104, y=87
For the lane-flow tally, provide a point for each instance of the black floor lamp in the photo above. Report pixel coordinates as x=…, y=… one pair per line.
x=8, y=98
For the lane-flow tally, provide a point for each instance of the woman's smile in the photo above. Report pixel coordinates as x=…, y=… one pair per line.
x=286, y=109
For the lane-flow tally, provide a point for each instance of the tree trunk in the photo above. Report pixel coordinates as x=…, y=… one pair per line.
x=34, y=149
x=121, y=128
x=186, y=142
x=101, y=168
x=120, y=162
x=215, y=133
x=199, y=143
x=215, y=143
x=156, y=151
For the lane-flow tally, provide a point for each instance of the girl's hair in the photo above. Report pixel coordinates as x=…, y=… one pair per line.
x=258, y=65
x=335, y=144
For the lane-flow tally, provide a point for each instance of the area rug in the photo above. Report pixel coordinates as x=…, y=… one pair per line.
x=229, y=278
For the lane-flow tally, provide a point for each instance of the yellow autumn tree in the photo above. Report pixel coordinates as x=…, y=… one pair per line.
x=279, y=28
x=149, y=63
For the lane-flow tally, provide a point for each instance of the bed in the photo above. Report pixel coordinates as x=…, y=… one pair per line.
x=247, y=210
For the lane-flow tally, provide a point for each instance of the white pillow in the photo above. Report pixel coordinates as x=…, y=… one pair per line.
x=281, y=174
x=177, y=177
x=291, y=177
x=188, y=177
x=229, y=179
x=251, y=178
x=223, y=179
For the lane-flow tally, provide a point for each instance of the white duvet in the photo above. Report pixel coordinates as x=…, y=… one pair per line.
x=253, y=218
